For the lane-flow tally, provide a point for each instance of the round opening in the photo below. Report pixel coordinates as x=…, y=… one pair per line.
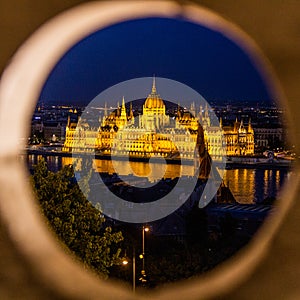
x=21, y=81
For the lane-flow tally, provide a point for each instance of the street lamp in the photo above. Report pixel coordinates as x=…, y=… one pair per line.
x=142, y=256
x=125, y=262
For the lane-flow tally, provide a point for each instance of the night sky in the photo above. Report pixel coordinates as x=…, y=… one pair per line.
x=203, y=59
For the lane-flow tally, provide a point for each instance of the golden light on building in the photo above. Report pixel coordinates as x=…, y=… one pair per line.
x=155, y=134
x=239, y=139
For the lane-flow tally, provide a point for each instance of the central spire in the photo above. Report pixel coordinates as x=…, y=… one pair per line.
x=123, y=109
x=154, y=100
x=153, y=86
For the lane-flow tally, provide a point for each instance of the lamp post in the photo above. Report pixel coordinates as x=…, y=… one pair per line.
x=133, y=270
x=125, y=262
x=142, y=256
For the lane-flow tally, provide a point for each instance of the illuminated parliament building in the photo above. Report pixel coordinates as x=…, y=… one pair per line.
x=155, y=133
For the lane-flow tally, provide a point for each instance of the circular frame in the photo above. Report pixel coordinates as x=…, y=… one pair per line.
x=20, y=87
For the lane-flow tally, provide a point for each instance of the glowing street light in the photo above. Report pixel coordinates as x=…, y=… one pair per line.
x=126, y=262
x=142, y=256
x=143, y=278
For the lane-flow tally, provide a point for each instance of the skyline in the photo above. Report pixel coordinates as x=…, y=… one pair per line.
x=203, y=59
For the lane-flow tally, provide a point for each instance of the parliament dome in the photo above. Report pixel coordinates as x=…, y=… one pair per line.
x=154, y=100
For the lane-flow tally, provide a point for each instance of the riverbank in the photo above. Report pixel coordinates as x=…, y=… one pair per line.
x=237, y=162
x=158, y=159
x=233, y=162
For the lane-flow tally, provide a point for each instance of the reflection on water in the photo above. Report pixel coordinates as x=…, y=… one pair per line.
x=254, y=185
x=141, y=169
x=247, y=185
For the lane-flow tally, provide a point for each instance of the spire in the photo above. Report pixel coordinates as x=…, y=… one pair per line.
x=206, y=116
x=221, y=122
x=118, y=109
x=153, y=86
x=123, y=108
x=178, y=110
x=235, y=125
x=206, y=111
x=68, y=122
x=193, y=109
x=130, y=110
x=105, y=110
x=242, y=128
x=200, y=113
x=249, y=126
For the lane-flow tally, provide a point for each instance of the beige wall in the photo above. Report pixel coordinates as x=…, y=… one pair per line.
x=275, y=25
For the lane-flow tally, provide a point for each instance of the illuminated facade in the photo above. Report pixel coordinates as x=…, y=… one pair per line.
x=154, y=133
x=213, y=135
x=239, y=139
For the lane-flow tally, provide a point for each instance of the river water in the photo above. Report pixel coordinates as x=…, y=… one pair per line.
x=247, y=185
x=254, y=185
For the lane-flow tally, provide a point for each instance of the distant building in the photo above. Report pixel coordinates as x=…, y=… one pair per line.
x=213, y=135
x=151, y=133
x=239, y=138
x=53, y=131
x=269, y=137
x=154, y=133
x=70, y=130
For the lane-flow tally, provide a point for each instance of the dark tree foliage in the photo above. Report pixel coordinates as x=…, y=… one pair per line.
x=78, y=224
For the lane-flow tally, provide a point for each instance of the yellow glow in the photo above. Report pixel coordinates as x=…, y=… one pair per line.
x=277, y=179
